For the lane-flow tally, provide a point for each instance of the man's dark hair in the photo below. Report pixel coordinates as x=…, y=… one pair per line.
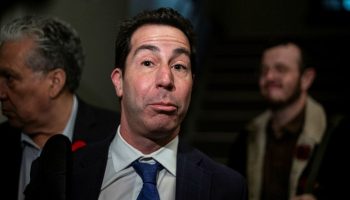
x=162, y=16
x=305, y=60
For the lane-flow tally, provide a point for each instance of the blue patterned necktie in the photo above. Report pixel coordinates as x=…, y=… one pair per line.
x=148, y=173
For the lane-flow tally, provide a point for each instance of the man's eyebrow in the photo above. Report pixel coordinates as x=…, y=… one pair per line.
x=147, y=47
x=179, y=51
x=9, y=73
x=153, y=48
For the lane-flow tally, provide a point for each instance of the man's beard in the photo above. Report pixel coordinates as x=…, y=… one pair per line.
x=281, y=104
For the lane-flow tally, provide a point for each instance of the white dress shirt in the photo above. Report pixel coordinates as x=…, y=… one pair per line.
x=121, y=182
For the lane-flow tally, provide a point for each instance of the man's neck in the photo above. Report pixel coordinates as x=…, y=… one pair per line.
x=55, y=122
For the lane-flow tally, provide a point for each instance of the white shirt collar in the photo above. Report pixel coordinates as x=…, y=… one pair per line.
x=69, y=129
x=123, y=154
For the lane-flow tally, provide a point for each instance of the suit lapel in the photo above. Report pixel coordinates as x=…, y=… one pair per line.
x=192, y=181
x=88, y=170
x=96, y=127
x=84, y=122
x=94, y=124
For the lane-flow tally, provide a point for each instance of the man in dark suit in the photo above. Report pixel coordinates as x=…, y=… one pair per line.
x=153, y=78
x=41, y=60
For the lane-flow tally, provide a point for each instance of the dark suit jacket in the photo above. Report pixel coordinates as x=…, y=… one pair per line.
x=92, y=124
x=198, y=177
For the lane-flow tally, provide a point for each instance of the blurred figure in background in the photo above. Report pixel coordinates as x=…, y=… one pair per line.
x=281, y=150
x=41, y=61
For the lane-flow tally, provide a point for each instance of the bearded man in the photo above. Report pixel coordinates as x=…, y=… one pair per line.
x=277, y=150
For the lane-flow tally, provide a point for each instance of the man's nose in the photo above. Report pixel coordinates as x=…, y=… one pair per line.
x=269, y=74
x=165, y=77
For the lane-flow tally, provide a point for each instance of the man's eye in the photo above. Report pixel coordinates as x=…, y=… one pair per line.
x=179, y=67
x=147, y=63
x=182, y=70
x=9, y=80
x=6, y=76
x=282, y=70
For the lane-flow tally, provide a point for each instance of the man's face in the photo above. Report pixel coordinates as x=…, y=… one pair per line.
x=157, y=82
x=280, y=75
x=23, y=93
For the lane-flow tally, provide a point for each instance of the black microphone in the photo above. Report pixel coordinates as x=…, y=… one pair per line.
x=50, y=173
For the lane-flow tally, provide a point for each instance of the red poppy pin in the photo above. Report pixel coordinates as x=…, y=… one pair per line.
x=303, y=152
x=78, y=144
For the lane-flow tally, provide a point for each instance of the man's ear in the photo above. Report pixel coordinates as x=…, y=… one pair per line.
x=117, y=79
x=57, y=80
x=307, y=78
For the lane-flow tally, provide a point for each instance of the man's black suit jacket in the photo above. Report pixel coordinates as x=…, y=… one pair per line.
x=92, y=124
x=198, y=176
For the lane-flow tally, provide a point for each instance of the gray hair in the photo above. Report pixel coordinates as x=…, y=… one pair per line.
x=57, y=45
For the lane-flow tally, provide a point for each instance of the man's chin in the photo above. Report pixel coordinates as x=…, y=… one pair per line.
x=276, y=104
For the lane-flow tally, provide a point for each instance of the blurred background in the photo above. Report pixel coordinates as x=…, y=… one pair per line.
x=231, y=35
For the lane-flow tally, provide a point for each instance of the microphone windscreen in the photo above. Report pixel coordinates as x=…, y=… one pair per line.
x=51, y=172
